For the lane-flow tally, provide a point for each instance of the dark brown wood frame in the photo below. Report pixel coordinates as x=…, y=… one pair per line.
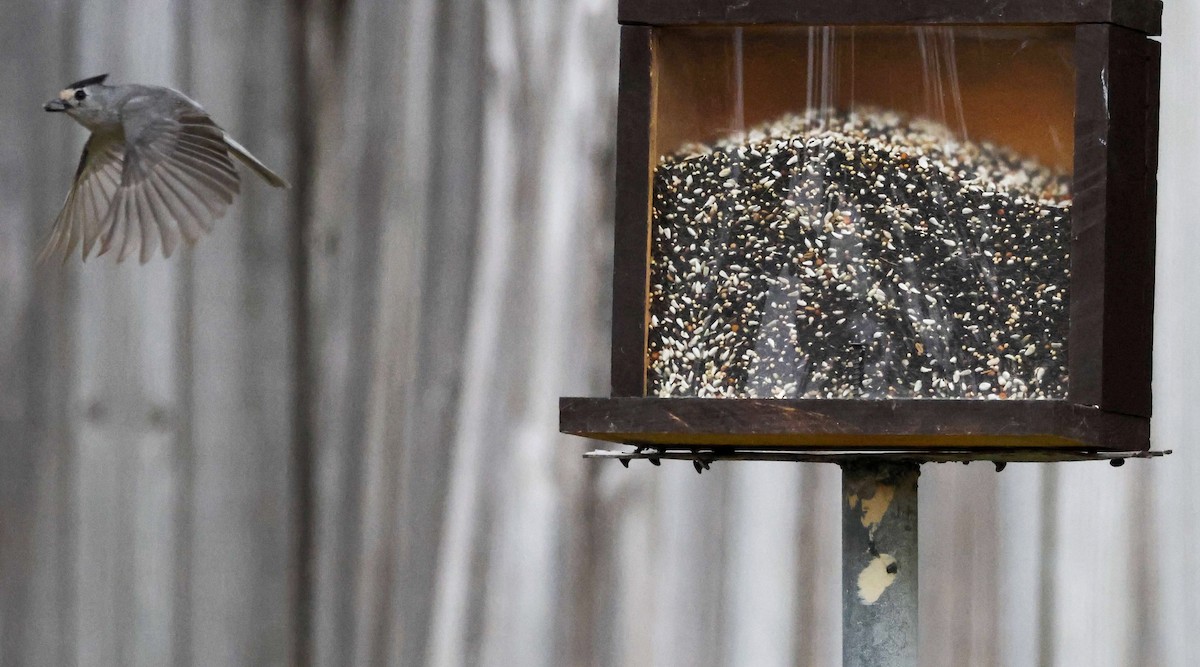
x=1141, y=15
x=1115, y=193
x=1112, y=253
x=831, y=424
x=631, y=242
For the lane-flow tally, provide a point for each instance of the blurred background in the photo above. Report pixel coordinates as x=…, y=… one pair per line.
x=328, y=434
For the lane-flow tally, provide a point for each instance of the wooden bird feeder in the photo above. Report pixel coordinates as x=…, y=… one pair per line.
x=904, y=225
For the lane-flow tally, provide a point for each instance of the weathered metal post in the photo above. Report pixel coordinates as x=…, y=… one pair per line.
x=879, y=564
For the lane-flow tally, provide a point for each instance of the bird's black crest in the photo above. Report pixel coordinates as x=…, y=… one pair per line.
x=92, y=81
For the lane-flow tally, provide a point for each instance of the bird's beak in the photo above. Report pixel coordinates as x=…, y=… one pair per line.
x=55, y=105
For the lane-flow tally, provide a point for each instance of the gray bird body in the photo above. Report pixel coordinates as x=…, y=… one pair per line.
x=155, y=168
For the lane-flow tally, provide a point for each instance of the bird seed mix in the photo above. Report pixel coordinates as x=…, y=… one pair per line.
x=858, y=255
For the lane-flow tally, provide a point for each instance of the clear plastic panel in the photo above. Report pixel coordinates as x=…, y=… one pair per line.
x=861, y=212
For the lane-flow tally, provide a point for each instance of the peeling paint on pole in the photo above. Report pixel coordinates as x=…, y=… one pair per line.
x=879, y=564
x=875, y=578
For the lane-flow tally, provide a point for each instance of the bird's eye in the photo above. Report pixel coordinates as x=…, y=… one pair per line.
x=80, y=94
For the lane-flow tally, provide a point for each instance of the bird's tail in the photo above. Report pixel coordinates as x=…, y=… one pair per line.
x=257, y=167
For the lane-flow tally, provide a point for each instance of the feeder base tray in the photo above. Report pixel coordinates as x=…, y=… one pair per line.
x=833, y=425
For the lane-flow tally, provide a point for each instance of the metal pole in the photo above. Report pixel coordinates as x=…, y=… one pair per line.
x=879, y=564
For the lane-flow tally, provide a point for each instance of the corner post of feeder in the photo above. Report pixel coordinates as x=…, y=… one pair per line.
x=879, y=563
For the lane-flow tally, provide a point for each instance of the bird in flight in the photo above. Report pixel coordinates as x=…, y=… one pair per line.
x=155, y=169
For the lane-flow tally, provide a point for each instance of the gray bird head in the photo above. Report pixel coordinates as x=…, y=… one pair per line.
x=87, y=101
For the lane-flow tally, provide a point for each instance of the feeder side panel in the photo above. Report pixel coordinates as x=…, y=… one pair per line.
x=1085, y=343
x=1112, y=255
x=631, y=247
x=1141, y=15
x=1129, y=225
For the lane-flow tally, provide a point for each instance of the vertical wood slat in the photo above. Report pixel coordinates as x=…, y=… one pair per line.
x=1176, y=505
x=537, y=158
x=960, y=555
x=240, y=550
x=456, y=633
x=128, y=381
x=157, y=472
x=328, y=276
x=302, y=460
x=385, y=364
x=1019, y=522
x=426, y=265
x=1095, y=577
x=37, y=464
x=690, y=519
x=818, y=567
x=763, y=564
x=453, y=632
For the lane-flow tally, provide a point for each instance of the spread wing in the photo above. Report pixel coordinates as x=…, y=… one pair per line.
x=82, y=216
x=176, y=179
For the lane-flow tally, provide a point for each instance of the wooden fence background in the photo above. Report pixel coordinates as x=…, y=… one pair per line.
x=328, y=435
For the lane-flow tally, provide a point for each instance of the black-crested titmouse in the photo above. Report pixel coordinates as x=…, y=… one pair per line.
x=155, y=168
